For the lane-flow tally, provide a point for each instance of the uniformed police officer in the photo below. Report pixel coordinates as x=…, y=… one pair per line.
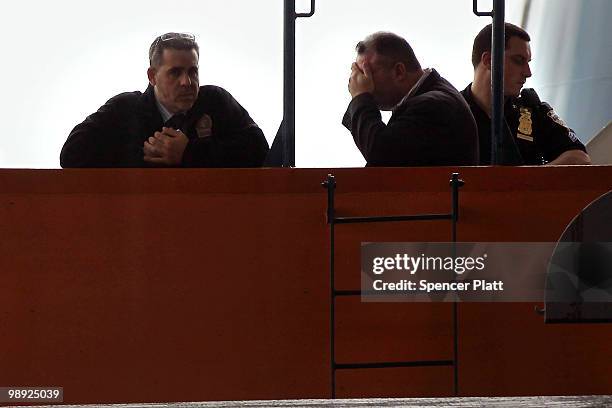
x=533, y=133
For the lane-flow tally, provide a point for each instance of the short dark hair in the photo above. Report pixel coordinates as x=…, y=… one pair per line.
x=482, y=42
x=175, y=41
x=393, y=47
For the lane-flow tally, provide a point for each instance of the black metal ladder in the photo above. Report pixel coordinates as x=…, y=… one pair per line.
x=332, y=220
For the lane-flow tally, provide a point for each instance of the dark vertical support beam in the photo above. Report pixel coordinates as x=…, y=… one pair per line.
x=330, y=185
x=287, y=129
x=288, y=126
x=497, y=79
x=497, y=74
x=456, y=183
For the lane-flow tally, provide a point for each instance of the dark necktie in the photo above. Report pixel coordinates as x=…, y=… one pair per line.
x=176, y=122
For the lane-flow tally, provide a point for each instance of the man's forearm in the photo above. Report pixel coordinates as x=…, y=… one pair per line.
x=571, y=157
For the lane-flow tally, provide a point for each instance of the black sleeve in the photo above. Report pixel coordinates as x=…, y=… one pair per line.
x=97, y=141
x=553, y=136
x=556, y=136
x=411, y=138
x=237, y=141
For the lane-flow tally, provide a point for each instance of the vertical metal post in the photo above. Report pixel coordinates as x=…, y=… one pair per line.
x=497, y=74
x=330, y=185
x=288, y=126
x=456, y=184
x=497, y=79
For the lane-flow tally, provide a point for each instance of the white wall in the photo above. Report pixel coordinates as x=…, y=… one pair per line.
x=572, y=49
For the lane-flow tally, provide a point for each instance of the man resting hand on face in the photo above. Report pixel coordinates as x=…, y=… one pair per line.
x=431, y=124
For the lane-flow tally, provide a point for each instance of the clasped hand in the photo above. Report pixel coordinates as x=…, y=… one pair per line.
x=165, y=148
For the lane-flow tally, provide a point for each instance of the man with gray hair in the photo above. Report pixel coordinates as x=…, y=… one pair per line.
x=431, y=124
x=174, y=123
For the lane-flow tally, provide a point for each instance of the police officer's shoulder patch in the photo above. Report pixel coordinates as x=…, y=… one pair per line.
x=555, y=118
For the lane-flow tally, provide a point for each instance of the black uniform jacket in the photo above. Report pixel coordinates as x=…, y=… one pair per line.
x=433, y=127
x=114, y=136
x=532, y=135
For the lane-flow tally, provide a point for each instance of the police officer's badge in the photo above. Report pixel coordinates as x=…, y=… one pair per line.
x=525, y=128
x=204, y=126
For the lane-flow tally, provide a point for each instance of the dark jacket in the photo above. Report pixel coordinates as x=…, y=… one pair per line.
x=433, y=127
x=114, y=135
x=532, y=132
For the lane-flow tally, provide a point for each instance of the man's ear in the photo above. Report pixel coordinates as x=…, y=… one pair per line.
x=486, y=59
x=151, y=74
x=400, y=70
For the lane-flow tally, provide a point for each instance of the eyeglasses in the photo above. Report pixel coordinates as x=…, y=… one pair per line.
x=158, y=45
x=173, y=36
x=176, y=36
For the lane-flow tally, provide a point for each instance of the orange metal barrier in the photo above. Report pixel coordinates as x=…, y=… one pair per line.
x=191, y=285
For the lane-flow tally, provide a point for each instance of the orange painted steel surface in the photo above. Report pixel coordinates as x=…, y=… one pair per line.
x=190, y=285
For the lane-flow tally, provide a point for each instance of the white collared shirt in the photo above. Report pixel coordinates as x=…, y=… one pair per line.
x=165, y=113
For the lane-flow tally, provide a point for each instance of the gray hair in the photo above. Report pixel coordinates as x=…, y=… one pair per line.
x=175, y=41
